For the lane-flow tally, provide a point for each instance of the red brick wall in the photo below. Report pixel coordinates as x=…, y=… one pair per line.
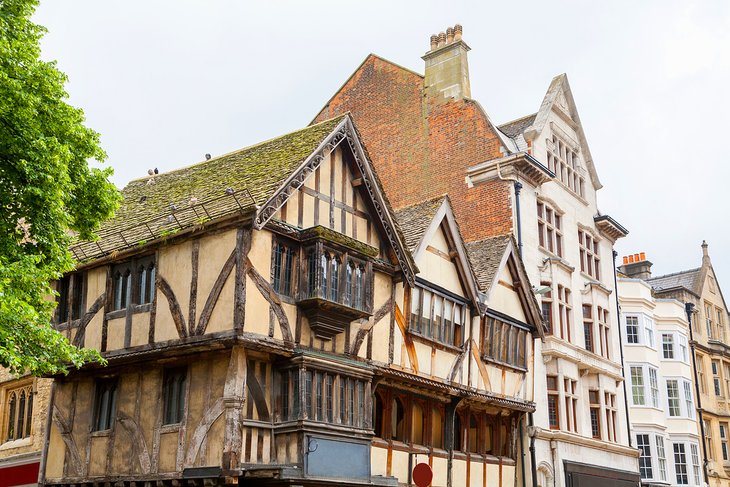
x=420, y=155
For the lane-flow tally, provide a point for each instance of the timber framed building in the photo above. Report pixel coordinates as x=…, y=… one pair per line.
x=266, y=320
x=535, y=179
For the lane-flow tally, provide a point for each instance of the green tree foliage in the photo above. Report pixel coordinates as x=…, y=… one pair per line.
x=48, y=195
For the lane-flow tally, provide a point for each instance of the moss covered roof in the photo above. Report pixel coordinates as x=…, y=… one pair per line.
x=162, y=204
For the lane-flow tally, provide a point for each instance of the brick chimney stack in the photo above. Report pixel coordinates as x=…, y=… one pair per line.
x=447, y=70
x=636, y=266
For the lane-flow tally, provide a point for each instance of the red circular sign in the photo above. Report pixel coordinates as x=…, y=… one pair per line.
x=422, y=475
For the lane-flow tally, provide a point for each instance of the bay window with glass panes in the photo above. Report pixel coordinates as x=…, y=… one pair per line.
x=652, y=457
x=639, y=330
x=324, y=394
x=438, y=315
x=337, y=288
x=644, y=385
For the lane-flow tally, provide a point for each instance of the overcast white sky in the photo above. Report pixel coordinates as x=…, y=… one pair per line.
x=165, y=82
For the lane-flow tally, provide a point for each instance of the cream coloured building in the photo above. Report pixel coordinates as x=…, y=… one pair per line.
x=700, y=287
x=659, y=373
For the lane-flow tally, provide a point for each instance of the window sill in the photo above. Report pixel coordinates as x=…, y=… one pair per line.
x=101, y=433
x=67, y=324
x=516, y=368
x=170, y=428
x=9, y=445
x=136, y=308
x=436, y=343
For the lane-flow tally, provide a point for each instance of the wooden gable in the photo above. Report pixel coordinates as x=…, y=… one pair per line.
x=336, y=188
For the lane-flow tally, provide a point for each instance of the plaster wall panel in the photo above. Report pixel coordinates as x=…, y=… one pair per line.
x=140, y=329
x=168, y=451
x=115, y=333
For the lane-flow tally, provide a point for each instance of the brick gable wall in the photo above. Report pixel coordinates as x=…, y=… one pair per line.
x=422, y=150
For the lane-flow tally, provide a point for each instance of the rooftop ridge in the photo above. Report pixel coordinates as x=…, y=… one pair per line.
x=241, y=149
x=675, y=274
x=516, y=120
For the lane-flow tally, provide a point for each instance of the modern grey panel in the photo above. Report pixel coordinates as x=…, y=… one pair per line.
x=336, y=458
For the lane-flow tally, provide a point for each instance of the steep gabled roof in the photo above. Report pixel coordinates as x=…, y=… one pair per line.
x=685, y=279
x=421, y=221
x=517, y=127
x=488, y=257
x=414, y=220
x=558, y=85
x=239, y=181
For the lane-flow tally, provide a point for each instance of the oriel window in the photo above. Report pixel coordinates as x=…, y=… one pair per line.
x=282, y=268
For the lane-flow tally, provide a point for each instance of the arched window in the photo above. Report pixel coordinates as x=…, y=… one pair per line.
x=12, y=407
x=334, y=278
x=437, y=427
x=19, y=407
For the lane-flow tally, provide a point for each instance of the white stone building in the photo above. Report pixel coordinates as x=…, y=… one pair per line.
x=581, y=436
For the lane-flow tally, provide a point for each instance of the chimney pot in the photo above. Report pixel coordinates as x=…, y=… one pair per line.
x=636, y=258
x=434, y=41
x=442, y=39
x=457, y=32
x=449, y=35
x=631, y=259
x=642, y=255
x=626, y=259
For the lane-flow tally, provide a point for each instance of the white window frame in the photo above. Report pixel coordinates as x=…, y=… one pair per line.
x=644, y=330
x=680, y=348
x=658, y=456
x=649, y=386
x=685, y=397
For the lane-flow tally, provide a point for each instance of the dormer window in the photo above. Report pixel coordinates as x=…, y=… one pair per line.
x=565, y=163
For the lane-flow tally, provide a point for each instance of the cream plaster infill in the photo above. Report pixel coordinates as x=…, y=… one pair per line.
x=556, y=347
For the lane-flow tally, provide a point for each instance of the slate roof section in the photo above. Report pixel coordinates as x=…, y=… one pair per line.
x=485, y=257
x=684, y=279
x=159, y=205
x=517, y=127
x=414, y=220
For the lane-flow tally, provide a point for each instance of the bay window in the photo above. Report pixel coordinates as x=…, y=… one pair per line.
x=504, y=342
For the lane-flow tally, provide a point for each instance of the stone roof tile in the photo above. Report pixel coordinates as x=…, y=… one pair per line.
x=685, y=279
x=485, y=257
x=162, y=204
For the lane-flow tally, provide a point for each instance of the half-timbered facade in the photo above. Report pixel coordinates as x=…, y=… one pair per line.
x=265, y=319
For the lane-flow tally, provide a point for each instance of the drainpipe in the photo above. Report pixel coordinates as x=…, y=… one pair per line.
x=689, y=308
x=621, y=349
x=518, y=187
